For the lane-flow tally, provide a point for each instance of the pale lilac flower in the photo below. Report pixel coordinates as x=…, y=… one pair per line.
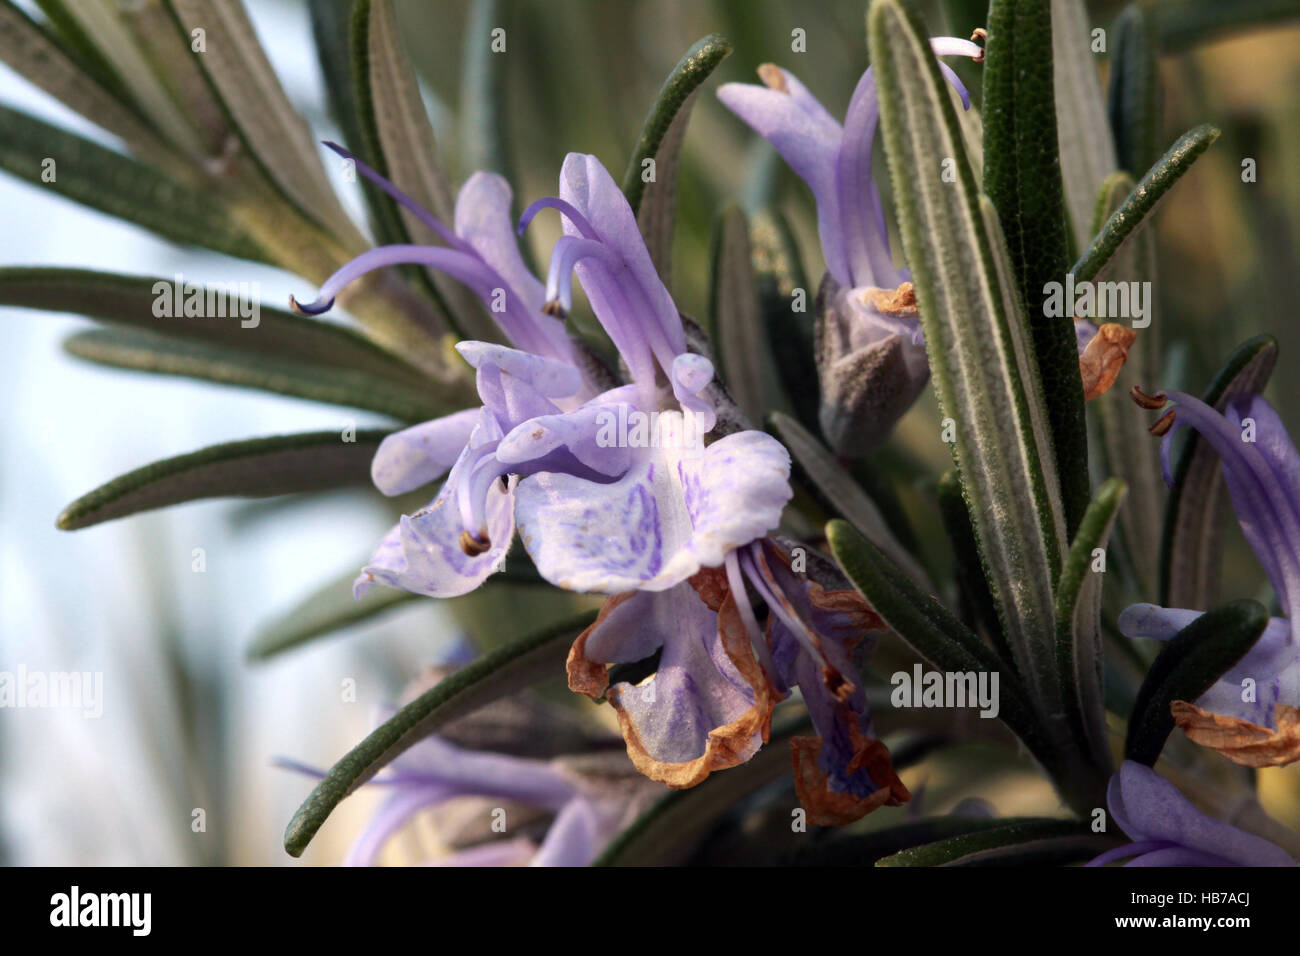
x=1167, y=830
x=871, y=354
x=1250, y=715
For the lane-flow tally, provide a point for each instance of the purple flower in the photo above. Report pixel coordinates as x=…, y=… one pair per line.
x=1250, y=715
x=871, y=355
x=1167, y=830
x=709, y=704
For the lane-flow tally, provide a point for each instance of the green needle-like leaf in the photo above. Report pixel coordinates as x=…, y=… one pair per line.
x=256, y=468
x=164, y=355
x=1125, y=220
x=691, y=71
x=271, y=334
x=1078, y=621
x=738, y=335
x=517, y=665
x=1087, y=148
x=981, y=362
x=1022, y=176
x=90, y=174
x=1186, y=668
x=781, y=280
x=1133, y=101
x=930, y=629
x=1012, y=841
x=1190, y=549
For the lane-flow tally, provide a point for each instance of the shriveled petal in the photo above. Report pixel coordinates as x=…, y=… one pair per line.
x=708, y=706
x=1242, y=741
x=415, y=456
x=423, y=553
x=1148, y=807
x=1103, y=358
x=677, y=510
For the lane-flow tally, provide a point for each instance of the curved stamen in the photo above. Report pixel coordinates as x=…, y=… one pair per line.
x=468, y=502
x=565, y=209
x=755, y=565
x=567, y=253
x=736, y=582
x=420, y=213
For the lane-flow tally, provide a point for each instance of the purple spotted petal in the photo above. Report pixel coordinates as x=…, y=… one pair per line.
x=677, y=510
x=423, y=453
x=1146, y=806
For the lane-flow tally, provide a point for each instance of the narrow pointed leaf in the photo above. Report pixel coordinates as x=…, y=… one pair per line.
x=325, y=611
x=969, y=573
x=738, y=335
x=163, y=355
x=1013, y=842
x=1078, y=622
x=1022, y=176
x=34, y=54
x=981, y=362
x=399, y=144
x=508, y=669
x=930, y=629
x=1133, y=100
x=483, y=142
x=1126, y=446
x=1182, y=24
x=1087, y=148
x=691, y=71
x=1190, y=551
x=256, y=468
x=332, y=608
x=132, y=300
x=1126, y=219
x=274, y=132
x=1186, y=668
x=88, y=173
x=842, y=495
x=780, y=279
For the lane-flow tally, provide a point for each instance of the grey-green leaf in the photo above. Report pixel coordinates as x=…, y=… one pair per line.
x=1078, y=621
x=1022, y=176
x=1186, y=668
x=1087, y=146
x=88, y=173
x=931, y=630
x=517, y=665
x=1133, y=100
x=132, y=301
x=981, y=363
x=256, y=468
x=1190, y=551
x=1026, y=841
x=739, y=339
x=691, y=71
x=1125, y=220
x=164, y=355
x=274, y=131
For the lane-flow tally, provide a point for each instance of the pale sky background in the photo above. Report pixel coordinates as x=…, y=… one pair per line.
x=120, y=789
